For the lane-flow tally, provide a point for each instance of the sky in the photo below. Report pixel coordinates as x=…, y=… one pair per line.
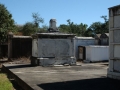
x=78, y=11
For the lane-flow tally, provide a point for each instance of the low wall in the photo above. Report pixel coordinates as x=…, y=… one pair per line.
x=19, y=46
x=82, y=41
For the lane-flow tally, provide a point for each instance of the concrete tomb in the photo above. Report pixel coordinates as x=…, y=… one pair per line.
x=53, y=48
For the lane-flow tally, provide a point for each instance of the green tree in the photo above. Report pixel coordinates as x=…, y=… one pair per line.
x=29, y=28
x=64, y=28
x=69, y=26
x=105, y=25
x=96, y=27
x=43, y=29
x=105, y=18
x=6, y=23
x=88, y=33
x=81, y=29
x=19, y=27
x=78, y=29
x=33, y=27
x=37, y=19
x=99, y=28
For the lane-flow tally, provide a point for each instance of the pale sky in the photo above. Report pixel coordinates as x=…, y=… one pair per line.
x=79, y=11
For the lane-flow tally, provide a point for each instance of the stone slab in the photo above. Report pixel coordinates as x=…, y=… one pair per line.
x=79, y=77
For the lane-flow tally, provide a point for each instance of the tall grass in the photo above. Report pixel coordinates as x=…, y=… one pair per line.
x=5, y=84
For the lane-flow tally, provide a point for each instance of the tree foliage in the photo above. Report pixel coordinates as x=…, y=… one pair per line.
x=6, y=23
x=100, y=28
x=37, y=19
x=43, y=29
x=29, y=28
x=83, y=29
x=78, y=29
x=96, y=27
x=33, y=27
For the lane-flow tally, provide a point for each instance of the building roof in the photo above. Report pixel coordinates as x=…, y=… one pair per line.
x=97, y=36
x=114, y=6
x=83, y=37
x=21, y=36
x=102, y=35
x=53, y=35
x=107, y=34
x=96, y=46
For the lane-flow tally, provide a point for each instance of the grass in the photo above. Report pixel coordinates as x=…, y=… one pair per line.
x=5, y=84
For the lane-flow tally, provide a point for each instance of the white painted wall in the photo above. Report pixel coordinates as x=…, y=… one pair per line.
x=82, y=41
x=97, y=53
x=114, y=43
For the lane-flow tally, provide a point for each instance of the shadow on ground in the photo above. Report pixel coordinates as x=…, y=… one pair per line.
x=15, y=85
x=86, y=84
x=20, y=66
x=4, y=61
